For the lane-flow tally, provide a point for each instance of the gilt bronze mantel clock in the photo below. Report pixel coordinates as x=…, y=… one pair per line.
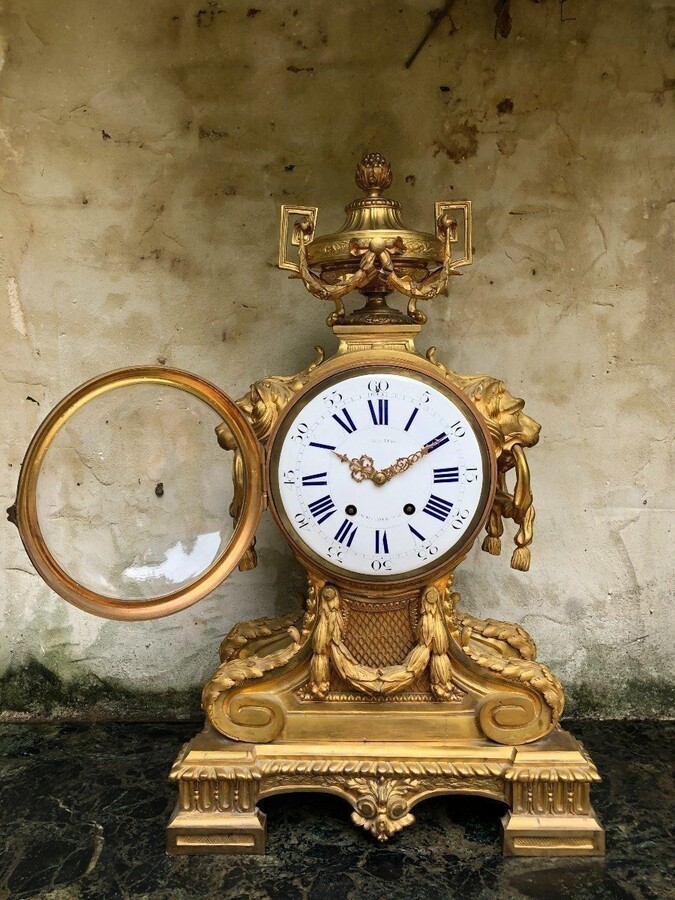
x=380, y=466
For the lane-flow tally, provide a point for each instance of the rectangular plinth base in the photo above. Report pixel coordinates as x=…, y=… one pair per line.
x=545, y=784
x=552, y=835
x=197, y=832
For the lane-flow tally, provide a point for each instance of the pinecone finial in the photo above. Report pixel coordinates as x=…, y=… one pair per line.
x=373, y=174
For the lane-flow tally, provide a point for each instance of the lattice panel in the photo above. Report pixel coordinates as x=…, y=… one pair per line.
x=378, y=634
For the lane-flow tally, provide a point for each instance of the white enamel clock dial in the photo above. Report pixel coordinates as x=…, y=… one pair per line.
x=380, y=474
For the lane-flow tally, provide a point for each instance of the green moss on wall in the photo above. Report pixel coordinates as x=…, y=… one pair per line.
x=639, y=698
x=34, y=692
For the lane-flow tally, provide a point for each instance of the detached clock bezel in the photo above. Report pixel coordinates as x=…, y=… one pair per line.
x=413, y=368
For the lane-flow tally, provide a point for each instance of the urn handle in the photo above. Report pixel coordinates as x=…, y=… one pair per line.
x=444, y=219
x=308, y=216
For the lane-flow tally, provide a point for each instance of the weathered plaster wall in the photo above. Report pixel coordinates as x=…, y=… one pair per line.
x=145, y=149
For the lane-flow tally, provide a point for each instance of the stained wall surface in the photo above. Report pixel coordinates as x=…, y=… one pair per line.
x=144, y=152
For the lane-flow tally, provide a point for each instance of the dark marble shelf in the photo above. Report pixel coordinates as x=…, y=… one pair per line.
x=84, y=808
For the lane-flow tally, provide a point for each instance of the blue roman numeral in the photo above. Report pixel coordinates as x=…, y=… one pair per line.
x=322, y=446
x=346, y=532
x=412, y=418
x=416, y=533
x=441, y=475
x=322, y=509
x=437, y=442
x=348, y=425
x=380, y=413
x=438, y=508
x=314, y=480
x=381, y=542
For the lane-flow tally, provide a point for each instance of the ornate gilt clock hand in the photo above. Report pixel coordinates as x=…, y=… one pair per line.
x=402, y=464
x=361, y=469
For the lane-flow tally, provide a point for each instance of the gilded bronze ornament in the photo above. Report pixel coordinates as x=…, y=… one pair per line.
x=378, y=688
x=374, y=252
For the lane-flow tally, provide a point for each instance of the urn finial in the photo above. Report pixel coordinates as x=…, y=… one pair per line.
x=373, y=174
x=375, y=252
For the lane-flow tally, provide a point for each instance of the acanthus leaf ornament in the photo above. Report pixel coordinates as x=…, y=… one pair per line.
x=381, y=804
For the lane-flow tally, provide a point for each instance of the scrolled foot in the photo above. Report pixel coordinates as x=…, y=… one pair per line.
x=511, y=718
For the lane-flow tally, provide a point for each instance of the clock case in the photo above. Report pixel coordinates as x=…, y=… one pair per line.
x=382, y=692
x=333, y=373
